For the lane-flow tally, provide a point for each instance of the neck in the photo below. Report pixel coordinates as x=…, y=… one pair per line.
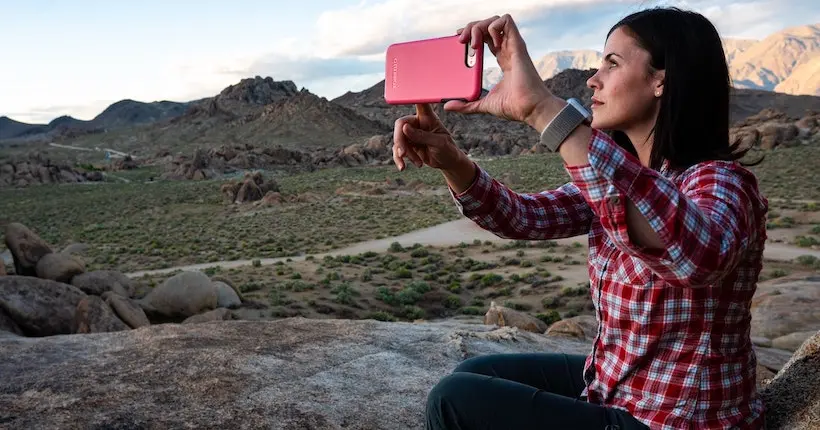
x=642, y=139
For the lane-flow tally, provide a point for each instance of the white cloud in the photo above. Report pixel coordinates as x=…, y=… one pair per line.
x=363, y=30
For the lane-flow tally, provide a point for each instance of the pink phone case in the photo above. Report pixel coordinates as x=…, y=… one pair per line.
x=432, y=71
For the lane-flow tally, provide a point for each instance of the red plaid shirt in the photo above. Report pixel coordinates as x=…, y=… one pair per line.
x=673, y=345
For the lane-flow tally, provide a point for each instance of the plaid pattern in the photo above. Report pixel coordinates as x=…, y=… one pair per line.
x=673, y=345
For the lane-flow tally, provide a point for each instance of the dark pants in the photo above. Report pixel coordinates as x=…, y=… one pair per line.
x=520, y=391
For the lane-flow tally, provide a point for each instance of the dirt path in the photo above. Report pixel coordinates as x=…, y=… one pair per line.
x=446, y=234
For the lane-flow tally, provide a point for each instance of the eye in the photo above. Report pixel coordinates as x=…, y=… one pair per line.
x=612, y=64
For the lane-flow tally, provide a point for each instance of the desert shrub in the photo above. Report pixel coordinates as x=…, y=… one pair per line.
x=549, y=317
x=452, y=302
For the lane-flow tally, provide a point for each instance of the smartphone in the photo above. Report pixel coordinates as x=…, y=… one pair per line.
x=433, y=71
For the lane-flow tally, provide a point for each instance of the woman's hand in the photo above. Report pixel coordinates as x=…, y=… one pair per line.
x=521, y=89
x=424, y=140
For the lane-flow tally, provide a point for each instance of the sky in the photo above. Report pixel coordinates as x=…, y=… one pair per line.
x=76, y=57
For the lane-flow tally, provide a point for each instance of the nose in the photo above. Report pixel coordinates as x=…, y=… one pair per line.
x=594, y=82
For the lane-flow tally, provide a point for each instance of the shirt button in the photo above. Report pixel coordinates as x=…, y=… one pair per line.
x=615, y=200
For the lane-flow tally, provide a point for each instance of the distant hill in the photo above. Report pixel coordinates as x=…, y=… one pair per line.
x=787, y=61
x=10, y=128
x=124, y=113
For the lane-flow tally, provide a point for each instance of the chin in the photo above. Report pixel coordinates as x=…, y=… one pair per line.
x=601, y=123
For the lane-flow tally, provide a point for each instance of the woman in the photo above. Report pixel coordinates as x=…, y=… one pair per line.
x=676, y=230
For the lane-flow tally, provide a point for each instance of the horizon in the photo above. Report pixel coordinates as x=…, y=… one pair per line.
x=104, y=53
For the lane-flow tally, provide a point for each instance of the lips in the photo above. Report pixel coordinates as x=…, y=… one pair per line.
x=596, y=102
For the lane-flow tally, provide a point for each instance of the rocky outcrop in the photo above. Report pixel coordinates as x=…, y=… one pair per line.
x=771, y=128
x=38, y=169
x=785, y=310
x=289, y=373
x=793, y=395
x=252, y=187
x=197, y=169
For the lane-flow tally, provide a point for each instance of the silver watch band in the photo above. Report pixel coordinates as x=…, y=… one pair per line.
x=569, y=118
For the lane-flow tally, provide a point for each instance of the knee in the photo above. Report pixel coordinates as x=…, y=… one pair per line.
x=443, y=401
x=445, y=387
x=448, y=388
x=479, y=364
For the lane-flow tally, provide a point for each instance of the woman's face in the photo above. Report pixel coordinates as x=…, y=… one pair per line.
x=627, y=92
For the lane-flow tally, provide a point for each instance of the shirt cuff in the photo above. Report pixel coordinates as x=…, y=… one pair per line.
x=471, y=198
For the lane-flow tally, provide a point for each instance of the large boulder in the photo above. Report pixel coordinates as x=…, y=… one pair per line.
x=128, y=310
x=39, y=307
x=95, y=316
x=505, y=317
x=786, y=305
x=27, y=248
x=289, y=374
x=793, y=396
x=226, y=296
x=59, y=267
x=180, y=296
x=99, y=282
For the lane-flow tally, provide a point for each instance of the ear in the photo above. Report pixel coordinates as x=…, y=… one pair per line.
x=657, y=82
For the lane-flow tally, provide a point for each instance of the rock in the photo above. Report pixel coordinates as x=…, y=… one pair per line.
x=764, y=376
x=126, y=309
x=226, y=297
x=78, y=249
x=39, y=307
x=566, y=328
x=7, y=324
x=229, y=283
x=180, y=296
x=26, y=248
x=2, y=268
x=219, y=314
x=59, y=267
x=35, y=168
x=587, y=323
x=288, y=374
x=95, y=316
x=99, y=282
x=786, y=305
x=792, y=341
x=772, y=358
x=505, y=317
x=762, y=341
x=793, y=396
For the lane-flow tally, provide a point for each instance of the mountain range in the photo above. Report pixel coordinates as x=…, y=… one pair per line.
x=262, y=112
x=787, y=61
x=123, y=113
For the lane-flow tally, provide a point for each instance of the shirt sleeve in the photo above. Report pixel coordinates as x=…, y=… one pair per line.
x=704, y=224
x=552, y=214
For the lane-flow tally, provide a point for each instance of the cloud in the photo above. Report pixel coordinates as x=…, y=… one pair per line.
x=310, y=69
x=364, y=30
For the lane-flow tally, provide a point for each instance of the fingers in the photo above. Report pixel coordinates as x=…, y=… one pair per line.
x=462, y=107
x=424, y=110
x=491, y=29
x=496, y=31
x=401, y=145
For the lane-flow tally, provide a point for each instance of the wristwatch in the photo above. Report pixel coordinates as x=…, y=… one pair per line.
x=571, y=116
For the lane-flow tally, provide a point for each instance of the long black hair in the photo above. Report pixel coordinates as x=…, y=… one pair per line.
x=693, y=121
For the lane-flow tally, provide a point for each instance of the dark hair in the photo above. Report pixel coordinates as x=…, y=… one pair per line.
x=693, y=121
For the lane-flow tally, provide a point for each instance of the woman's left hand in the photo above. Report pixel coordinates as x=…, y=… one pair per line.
x=521, y=89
